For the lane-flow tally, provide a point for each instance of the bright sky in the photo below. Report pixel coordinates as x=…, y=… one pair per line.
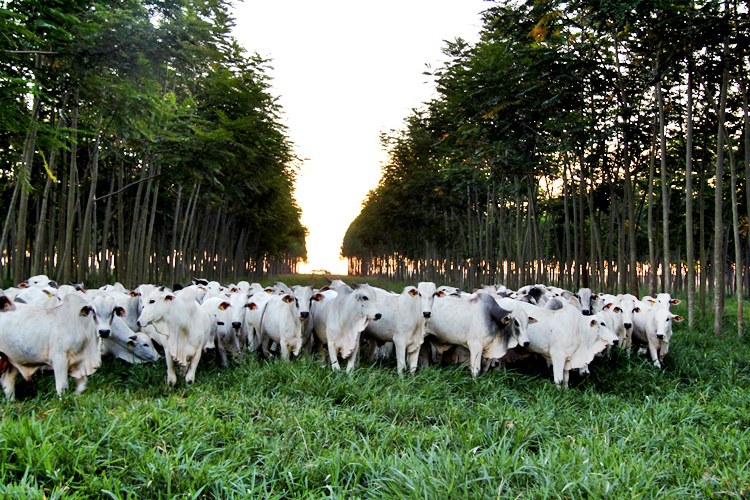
x=344, y=72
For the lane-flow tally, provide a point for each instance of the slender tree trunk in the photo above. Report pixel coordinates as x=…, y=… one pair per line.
x=667, y=267
x=85, y=238
x=67, y=258
x=719, y=202
x=689, y=233
x=629, y=201
x=650, y=214
x=23, y=178
x=736, y=237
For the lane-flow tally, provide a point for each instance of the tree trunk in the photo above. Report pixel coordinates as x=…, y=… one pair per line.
x=66, y=262
x=689, y=233
x=718, y=203
x=86, y=236
x=667, y=267
x=652, y=281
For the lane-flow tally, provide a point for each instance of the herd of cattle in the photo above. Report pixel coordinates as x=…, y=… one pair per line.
x=68, y=329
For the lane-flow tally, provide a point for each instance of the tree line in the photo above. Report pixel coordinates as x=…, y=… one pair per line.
x=580, y=143
x=140, y=143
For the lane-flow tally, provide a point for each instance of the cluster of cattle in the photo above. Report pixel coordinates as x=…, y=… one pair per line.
x=68, y=329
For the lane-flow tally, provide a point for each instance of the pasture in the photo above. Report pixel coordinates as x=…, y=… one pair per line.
x=265, y=429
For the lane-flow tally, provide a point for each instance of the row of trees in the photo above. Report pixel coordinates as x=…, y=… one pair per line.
x=582, y=143
x=139, y=143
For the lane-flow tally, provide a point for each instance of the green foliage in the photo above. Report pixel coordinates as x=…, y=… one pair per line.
x=272, y=430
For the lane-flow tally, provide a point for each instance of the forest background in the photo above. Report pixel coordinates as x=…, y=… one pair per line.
x=585, y=143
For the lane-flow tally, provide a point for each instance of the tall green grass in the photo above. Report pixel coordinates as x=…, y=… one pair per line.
x=265, y=429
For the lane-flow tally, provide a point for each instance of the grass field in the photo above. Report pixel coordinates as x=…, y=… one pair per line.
x=265, y=429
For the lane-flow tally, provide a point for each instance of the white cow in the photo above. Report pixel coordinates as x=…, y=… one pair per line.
x=304, y=296
x=253, y=313
x=281, y=323
x=476, y=322
x=340, y=321
x=38, y=295
x=64, y=337
x=564, y=337
x=403, y=322
x=653, y=327
x=238, y=300
x=127, y=345
x=223, y=337
x=185, y=329
x=587, y=298
x=39, y=280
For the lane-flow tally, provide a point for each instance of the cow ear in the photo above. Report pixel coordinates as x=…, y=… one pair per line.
x=440, y=293
x=317, y=297
x=532, y=320
x=675, y=301
x=505, y=320
x=119, y=311
x=252, y=306
x=22, y=285
x=134, y=294
x=413, y=292
x=6, y=304
x=86, y=310
x=617, y=309
x=131, y=341
x=677, y=318
x=288, y=299
x=169, y=298
x=607, y=306
x=593, y=323
x=223, y=306
x=637, y=310
x=325, y=288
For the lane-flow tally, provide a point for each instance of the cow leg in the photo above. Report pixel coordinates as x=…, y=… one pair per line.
x=284, y=349
x=333, y=356
x=558, y=372
x=190, y=375
x=653, y=348
x=171, y=375
x=81, y=384
x=353, y=357
x=8, y=381
x=60, y=368
x=412, y=358
x=399, y=345
x=475, y=358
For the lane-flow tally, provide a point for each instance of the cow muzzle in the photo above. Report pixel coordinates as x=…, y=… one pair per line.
x=304, y=314
x=586, y=312
x=104, y=333
x=526, y=344
x=377, y=316
x=616, y=341
x=236, y=325
x=426, y=314
x=628, y=326
x=660, y=337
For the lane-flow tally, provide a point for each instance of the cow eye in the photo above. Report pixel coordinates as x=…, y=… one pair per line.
x=365, y=298
x=602, y=324
x=151, y=301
